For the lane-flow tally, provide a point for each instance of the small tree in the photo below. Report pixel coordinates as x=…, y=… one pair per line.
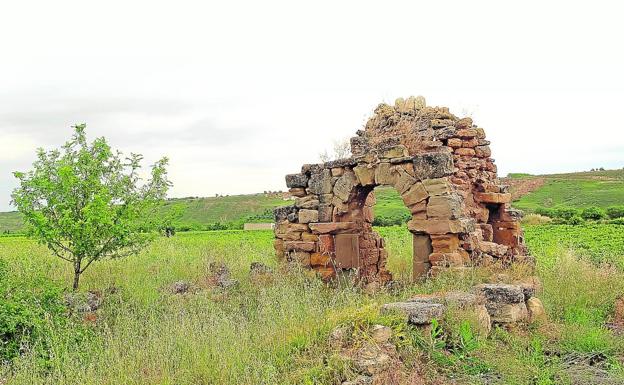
x=86, y=202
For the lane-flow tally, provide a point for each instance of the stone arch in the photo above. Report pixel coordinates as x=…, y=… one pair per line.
x=440, y=165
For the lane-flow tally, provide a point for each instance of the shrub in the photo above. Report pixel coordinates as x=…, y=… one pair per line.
x=536, y=219
x=575, y=221
x=27, y=309
x=593, y=213
x=566, y=213
x=615, y=212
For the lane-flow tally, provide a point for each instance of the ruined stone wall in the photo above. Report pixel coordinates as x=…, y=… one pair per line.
x=440, y=165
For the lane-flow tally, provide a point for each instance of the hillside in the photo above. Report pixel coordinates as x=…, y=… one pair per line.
x=575, y=190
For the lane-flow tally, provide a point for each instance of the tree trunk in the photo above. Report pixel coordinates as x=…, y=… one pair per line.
x=76, y=274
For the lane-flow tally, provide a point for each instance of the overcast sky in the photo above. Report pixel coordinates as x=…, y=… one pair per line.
x=239, y=93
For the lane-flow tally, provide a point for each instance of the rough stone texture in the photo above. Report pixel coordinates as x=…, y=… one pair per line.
x=417, y=313
x=439, y=164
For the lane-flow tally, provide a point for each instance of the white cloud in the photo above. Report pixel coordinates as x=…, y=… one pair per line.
x=239, y=93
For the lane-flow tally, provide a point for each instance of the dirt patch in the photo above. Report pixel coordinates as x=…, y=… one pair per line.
x=521, y=187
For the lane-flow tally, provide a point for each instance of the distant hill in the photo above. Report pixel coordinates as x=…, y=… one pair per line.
x=577, y=190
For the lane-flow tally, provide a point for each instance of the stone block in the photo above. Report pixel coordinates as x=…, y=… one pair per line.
x=297, y=191
x=365, y=175
x=385, y=174
x=307, y=202
x=415, y=194
x=319, y=259
x=501, y=293
x=508, y=313
x=467, y=133
x=299, y=246
x=296, y=180
x=307, y=216
x=420, y=270
x=332, y=227
x=290, y=231
x=370, y=199
x=344, y=185
x=433, y=165
x=489, y=197
x=483, y=151
x=416, y=313
x=404, y=181
x=419, y=210
x=337, y=171
x=444, y=207
x=347, y=251
x=535, y=310
x=470, y=143
x=326, y=244
x=422, y=246
x=325, y=213
x=465, y=151
x=444, y=243
x=300, y=257
x=437, y=186
x=394, y=152
x=368, y=214
x=309, y=237
x=437, y=226
x=281, y=213
x=446, y=259
x=278, y=245
x=320, y=182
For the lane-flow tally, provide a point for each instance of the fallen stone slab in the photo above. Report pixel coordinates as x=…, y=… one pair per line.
x=417, y=313
x=501, y=293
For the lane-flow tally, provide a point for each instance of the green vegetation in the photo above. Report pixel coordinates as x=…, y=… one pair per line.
x=575, y=190
x=276, y=331
x=86, y=203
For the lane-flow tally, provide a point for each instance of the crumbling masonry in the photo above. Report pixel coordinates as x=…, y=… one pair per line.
x=440, y=165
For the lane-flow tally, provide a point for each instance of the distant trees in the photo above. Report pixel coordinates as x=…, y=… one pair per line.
x=86, y=202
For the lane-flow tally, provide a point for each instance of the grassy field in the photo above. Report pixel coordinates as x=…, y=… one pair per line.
x=577, y=190
x=275, y=331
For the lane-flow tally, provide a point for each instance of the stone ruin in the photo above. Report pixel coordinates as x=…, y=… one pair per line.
x=441, y=166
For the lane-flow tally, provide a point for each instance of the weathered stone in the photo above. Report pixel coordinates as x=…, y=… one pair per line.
x=344, y=185
x=365, y=175
x=281, y=213
x=325, y=213
x=307, y=202
x=337, y=171
x=492, y=197
x=419, y=210
x=446, y=259
x=467, y=133
x=319, y=259
x=300, y=257
x=507, y=312
x=444, y=243
x=308, y=237
x=381, y=334
x=415, y=194
x=320, y=182
x=404, y=181
x=297, y=191
x=465, y=151
x=370, y=360
x=332, y=227
x=501, y=293
x=483, y=151
x=436, y=226
x=444, y=207
x=299, y=246
x=483, y=319
x=536, y=310
x=326, y=244
x=417, y=313
x=385, y=174
x=437, y=186
x=307, y=216
x=394, y=152
x=433, y=165
x=296, y=180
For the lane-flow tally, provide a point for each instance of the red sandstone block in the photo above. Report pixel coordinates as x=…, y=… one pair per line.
x=465, y=151
x=493, y=197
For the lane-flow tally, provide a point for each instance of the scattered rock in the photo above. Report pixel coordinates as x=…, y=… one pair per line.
x=381, y=334
x=180, y=287
x=535, y=309
x=484, y=320
x=220, y=276
x=258, y=268
x=501, y=293
x=370, y=360
x=84, y=302
x=339, y=337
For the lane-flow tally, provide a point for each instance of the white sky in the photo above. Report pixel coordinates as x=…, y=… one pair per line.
x=239, y=93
